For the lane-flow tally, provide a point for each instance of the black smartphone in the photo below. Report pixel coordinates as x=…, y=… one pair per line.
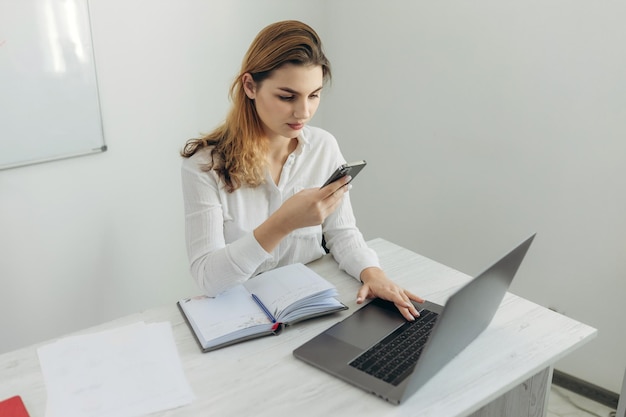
x=352, y=169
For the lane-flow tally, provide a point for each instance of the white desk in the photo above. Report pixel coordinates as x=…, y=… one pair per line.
x=506, y=371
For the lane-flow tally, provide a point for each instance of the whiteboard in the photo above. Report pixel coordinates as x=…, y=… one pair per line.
x=49, y=104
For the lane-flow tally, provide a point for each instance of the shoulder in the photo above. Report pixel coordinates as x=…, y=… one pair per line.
x=202, y=157
x=199, y=163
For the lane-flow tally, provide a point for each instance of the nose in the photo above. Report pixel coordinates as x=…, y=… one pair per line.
x=302, y=110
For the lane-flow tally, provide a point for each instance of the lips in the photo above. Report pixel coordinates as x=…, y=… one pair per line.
x=295, y=126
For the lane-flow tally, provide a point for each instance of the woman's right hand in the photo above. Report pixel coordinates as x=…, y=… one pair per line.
x=309, y=207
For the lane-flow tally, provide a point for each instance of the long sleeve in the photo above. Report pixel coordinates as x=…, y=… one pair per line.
x=345, y=241
x=214, y=264
x=221, y=246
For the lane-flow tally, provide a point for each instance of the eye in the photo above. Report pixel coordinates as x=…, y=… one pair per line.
x=316, y=95
x=286, y=98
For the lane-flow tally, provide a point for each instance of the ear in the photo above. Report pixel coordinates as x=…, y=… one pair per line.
x=249, y=85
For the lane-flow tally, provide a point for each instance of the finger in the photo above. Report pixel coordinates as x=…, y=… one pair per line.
x=406, y=313
x=410, y=296
x=335, y=198
x=332, y=188
x=410, y=307
x=345, y=181
x=414, y=297
x=338, y=195
x=403, y=302
x=362, y=294
x=414, y=311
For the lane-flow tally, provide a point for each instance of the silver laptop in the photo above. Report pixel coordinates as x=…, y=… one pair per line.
x=377, y=350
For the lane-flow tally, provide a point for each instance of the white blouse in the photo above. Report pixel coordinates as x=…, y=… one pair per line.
x=222, y=249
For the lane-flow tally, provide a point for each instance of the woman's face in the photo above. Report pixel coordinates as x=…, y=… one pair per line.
x=287, y=99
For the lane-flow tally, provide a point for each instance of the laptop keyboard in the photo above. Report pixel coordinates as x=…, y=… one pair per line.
x=392, y=359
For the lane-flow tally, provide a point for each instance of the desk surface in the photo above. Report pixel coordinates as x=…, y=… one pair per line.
x=262, y=377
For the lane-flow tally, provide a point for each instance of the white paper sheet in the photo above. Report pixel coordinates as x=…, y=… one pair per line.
x=130, y=371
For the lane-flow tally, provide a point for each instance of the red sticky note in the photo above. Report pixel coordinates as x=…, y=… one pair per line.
x=13, y=407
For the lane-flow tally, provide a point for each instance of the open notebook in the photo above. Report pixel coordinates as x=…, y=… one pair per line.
x=261, y=306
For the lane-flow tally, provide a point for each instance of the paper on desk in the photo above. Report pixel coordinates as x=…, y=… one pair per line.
x=125, y=372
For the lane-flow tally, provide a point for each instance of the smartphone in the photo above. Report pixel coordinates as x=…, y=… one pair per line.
x=352, y=169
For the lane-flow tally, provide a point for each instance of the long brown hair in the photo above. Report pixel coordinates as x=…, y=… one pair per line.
x=239, y=150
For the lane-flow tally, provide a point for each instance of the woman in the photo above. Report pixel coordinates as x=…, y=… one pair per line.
x=252, y=186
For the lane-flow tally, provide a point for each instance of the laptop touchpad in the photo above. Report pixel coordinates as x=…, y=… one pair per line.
x=368, y=325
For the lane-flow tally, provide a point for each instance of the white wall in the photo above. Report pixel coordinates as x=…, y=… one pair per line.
x=93, y=238
x=481, y=121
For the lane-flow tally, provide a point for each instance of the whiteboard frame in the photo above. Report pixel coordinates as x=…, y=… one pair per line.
x=84, y=137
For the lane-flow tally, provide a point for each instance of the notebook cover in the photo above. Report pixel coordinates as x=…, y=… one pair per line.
x=13, y=407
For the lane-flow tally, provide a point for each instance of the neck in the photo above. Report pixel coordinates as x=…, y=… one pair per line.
x=279, y=150
x=277, y=154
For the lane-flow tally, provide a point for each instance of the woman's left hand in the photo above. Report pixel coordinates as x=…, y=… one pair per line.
x=377, y=284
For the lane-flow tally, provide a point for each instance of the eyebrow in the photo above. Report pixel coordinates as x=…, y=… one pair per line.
x=291, y=91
